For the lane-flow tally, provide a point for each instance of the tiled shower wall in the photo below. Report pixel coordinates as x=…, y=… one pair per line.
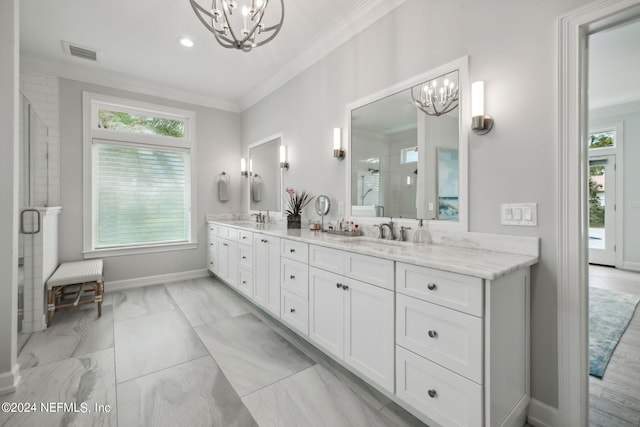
x=40, y=254
x=42, y=90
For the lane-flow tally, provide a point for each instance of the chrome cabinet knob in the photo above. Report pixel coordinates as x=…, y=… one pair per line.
x=293, y=310
x=292, y=277
x=345, y=287
x=292, y=250
x=432, y=334
x=244, y=282
x=432, y=393
x=432, y=286
x=338, y=285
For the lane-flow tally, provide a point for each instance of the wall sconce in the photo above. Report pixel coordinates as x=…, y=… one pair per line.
x=283, y=157
x=338, y=151
x=480, y=123
x=243, y=167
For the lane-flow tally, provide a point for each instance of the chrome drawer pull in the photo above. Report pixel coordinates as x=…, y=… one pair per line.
x=432, y=334
x=338, y=285
x=432, y=286
x=345, y=287
x=244, y=282
x=293, y=310
x=432, y=393
x=292, y=250
x=244, y=257
x=292, y=277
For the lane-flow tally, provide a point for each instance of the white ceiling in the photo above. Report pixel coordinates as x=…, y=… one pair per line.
x=614, y=63
x=137, y=42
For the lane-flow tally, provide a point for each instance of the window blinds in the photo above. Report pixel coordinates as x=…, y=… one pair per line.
x=141, y=194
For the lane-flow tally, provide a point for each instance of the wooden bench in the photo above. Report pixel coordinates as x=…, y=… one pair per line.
x=75, y=283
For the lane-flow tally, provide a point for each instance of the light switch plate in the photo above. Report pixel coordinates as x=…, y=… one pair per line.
x=519, y=214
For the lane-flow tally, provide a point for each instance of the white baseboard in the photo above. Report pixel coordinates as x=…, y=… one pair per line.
x=119, y=285
x=627, y=265
x=542, y=415
x=9, y=380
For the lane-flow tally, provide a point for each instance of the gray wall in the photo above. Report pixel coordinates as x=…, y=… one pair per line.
x=512, y=47
x=218, y=148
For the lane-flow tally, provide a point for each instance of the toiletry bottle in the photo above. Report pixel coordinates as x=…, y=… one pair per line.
x=421, y=236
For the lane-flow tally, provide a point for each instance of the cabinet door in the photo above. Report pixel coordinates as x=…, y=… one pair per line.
x=212, y=258
x=266, y=278
x=369, y=318
x=223, y=259
x=326, y=310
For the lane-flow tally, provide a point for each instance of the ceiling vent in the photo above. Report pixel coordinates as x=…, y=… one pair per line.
x=80, y=51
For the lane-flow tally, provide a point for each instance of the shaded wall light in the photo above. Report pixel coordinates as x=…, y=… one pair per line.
x=245, y=30
x=480, y=122
x=338, y=151
x=283, y=157
x=243, y=167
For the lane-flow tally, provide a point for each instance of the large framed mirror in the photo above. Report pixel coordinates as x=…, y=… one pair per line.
x=265, y=175
x=408, y=149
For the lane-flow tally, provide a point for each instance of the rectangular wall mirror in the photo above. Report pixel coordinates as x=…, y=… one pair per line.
x=410, y=162
x=265, y=175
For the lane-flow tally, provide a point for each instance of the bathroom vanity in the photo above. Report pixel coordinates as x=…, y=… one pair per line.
x=442, y=329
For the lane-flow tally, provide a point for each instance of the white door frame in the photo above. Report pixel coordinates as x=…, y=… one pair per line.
x=572, y=221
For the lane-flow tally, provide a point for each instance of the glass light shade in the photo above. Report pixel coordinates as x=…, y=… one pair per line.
x=337, y=138
x=477, y=99
x=283, y=154
x=243, y=165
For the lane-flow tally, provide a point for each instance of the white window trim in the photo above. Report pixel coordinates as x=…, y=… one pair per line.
x=90, y=103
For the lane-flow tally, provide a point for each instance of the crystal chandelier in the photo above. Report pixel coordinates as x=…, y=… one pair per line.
x=436, y=97
x=245, y=30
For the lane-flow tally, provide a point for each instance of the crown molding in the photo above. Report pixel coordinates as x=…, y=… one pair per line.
x=83, y=73
x=363, y=14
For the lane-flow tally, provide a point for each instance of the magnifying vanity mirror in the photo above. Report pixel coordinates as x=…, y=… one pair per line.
x=323, y=204
x=265, y=176
x=408, y=147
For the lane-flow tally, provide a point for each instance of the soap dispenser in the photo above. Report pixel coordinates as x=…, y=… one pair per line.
x=421, y=236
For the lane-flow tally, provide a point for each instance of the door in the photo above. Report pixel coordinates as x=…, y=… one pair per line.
x=326, y=310
x=369, y=339
x=602, y=207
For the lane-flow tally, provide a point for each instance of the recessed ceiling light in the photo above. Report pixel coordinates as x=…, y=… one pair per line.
x=185, y=42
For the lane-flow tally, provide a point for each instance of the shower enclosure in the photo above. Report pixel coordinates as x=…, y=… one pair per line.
x=38, y=245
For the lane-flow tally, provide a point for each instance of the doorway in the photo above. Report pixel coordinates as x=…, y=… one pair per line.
x=575, y=31
x=602, y=210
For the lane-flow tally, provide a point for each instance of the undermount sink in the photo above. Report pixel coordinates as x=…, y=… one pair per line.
x=372, y=242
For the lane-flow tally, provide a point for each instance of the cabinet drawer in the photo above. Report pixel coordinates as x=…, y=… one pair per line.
x=447, y=337
x=245, y=281
x=442, y=395
x=233, y=233
x=213, y=228
x=326, y=259
x=245, y=238
x=452, y=290
x=295, y=311
x=223, y=232
x=298, y=251
x=245, y=257
x=376, y=271
x=295, y=277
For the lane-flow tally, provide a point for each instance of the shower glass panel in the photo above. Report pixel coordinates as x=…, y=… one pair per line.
x=34, y=193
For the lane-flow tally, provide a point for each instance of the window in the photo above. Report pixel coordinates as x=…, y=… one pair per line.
x=409, y=155
x=604, y=139
x=139, y=180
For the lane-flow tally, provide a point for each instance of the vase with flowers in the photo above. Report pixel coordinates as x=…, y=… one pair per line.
x=295, y=203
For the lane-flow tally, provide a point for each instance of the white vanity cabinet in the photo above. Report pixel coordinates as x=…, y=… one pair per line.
x=223, y=253
x=350, y=318
x=245, y=262
x=462, y=345
x=294, y=282
x=266, y=272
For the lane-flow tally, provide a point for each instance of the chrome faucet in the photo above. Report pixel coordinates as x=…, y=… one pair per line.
x=259, y=217
x=388, y=225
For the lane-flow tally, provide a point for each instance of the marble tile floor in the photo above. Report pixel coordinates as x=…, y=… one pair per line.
x=189, y=353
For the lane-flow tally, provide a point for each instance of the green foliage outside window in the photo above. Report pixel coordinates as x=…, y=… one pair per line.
x=126, y=122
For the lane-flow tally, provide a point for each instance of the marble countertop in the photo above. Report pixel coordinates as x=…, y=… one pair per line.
x=471, y=261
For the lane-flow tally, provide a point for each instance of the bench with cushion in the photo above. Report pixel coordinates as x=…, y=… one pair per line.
x=75, y=283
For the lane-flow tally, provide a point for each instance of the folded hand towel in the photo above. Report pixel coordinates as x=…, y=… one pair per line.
x=256, y=190
x=223, y=190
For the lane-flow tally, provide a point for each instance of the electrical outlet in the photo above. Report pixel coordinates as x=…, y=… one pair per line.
x=519, y=214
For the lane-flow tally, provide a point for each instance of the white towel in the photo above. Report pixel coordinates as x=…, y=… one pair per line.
x=223, y=190
x=256, y=190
